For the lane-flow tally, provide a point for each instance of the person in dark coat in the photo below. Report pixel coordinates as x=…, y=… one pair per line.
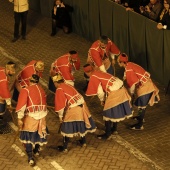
x=164, y=18
x=61, y=17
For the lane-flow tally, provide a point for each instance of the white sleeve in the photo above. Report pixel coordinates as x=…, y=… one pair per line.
x=21, y=112
x=100, y=93
x=60, y=113
x=112, y=56
x=165, y=27
x=132, y=89
x=70, y=82
x=8, y=101
x=102, y=68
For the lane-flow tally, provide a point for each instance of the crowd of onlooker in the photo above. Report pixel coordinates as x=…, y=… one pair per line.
x=156, y=10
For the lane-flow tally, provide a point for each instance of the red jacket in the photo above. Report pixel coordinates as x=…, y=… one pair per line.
x=135, y=74
x=4, y=85
x=32, y=98
x=96, y=54
x=24, y=76
x=63, y=66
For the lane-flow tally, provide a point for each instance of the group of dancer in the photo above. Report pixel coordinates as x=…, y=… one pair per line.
x=74, y=115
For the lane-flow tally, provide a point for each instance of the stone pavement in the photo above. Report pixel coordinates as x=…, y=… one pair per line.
x=130, y=150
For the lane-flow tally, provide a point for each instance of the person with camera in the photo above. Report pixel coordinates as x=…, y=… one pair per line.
x=61, y=17
x=152, y=10
x=164, y=18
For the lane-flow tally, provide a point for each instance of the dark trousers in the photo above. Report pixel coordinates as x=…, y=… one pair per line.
x=20, y=17
x=55, y=24
x=29, y=150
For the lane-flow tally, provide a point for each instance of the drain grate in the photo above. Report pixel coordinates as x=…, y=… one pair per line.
x=5, y=129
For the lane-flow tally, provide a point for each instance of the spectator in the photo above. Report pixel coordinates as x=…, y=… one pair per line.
x=21, y=8
x=133, y=5
x=164, y=18
x=61, y=17
x=152, y=10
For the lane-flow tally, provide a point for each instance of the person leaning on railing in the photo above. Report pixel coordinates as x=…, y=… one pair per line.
x=164, y=18
x=152, y=10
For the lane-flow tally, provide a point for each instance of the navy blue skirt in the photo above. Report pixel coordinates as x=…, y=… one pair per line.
x=15, y=94
x=32, y=137
x=143, y=101
x=51, y=85
x=118, y=113
x=75, y=128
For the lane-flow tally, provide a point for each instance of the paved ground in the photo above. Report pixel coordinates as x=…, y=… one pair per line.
x=130, y=150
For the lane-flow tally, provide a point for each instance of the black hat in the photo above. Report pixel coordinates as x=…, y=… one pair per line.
x=35, y=78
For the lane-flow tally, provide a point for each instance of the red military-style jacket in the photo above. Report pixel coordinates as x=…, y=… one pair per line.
x=107, y=81
x=4, y=85
x=24, y=76
x=32, y=99
x=63, y=66
x=97, y=54
x=135, y=74
x=66, y=96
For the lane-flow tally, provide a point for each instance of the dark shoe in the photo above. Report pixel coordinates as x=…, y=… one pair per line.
x=83, y=144
x=136, y=127
x=136, y=118
x=53, y=34
x=36, y=153
x=15, y=39
x=31, y=162
x=103, y=136
x=62, y=149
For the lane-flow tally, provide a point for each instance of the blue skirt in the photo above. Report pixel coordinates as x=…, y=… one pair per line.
x=110, y=70
x=32, y=137
x=118, y=113
x=76, y=128
x=15, y=95
x=51, y=85
x=142, y=101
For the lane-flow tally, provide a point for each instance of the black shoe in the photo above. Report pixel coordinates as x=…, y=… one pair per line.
x=83, y=144
x=31, y=162
x=136, y=127
x=36, y=153
x=53, y=34
x=103, y=136
x=62, y=149
x=15, y=39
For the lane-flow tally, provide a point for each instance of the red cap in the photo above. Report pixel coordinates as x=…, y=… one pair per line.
x=123, y=57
